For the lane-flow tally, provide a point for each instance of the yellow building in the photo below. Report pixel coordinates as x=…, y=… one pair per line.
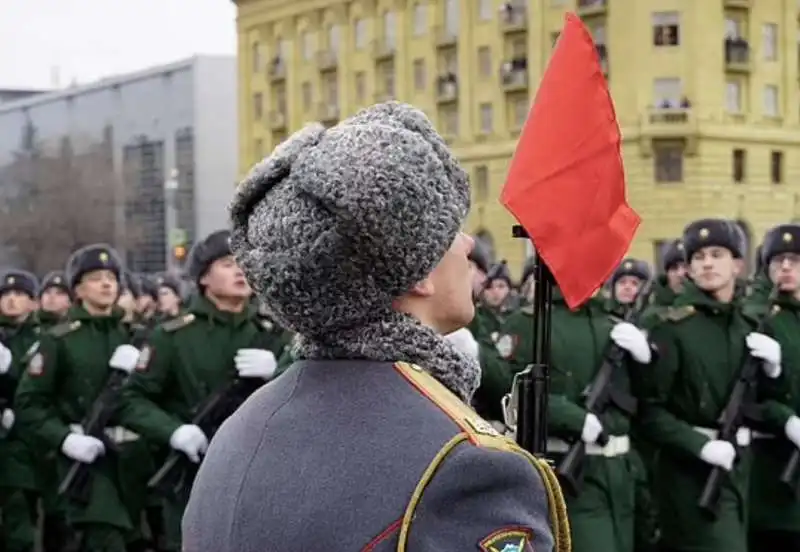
x=707, y=92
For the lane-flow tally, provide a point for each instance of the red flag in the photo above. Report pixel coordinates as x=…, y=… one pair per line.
x=566, y=184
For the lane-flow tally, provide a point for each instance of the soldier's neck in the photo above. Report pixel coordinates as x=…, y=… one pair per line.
x=725, y=294
x=227, y=304
x=95, y=310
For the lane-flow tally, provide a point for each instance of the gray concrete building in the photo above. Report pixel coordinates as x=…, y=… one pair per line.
x=170, y=135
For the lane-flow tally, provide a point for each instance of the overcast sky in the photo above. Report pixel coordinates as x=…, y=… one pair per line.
x=45, y=40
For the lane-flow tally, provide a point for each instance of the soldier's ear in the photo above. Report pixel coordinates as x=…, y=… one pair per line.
x=423, y=288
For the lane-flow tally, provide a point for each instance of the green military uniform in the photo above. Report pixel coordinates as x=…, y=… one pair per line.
x=64, y=377
x=496, y=380
x=18, y=482
x=775, y=512
x=601, y=516
x=701, y=343
x=185, y=362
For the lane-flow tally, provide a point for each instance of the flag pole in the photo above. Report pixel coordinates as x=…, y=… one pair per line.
x=533, y=383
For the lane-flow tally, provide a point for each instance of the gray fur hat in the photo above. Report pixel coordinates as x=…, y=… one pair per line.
x=338, y=222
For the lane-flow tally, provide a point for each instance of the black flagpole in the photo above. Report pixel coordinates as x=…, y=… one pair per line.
x=533, y=383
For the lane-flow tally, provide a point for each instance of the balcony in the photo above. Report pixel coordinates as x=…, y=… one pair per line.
x=444, y=37
x=383, y=49
x=592, y=8
x=737, y=55
x=328, y=112
x=277, y=119
x=276, y=70
x=326, y=60
x=676, y=124
x=514, y=76
x=737, y=4
x=446, y=88
x=513, y=18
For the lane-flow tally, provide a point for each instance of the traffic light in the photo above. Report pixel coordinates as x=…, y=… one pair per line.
x=179, y=252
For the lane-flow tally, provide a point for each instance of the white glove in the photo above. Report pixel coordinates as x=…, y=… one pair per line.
x=792, y=430
x=5, y=359
x=7, y=419
x=767, y=349
x=190, y=440
x=464, y=341
x=718, y=453
x=125, y=358
x=255, y=363
x=83, y=448
x=633, y=340
x=592, y=428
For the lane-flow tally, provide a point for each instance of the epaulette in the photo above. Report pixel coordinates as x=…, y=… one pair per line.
x=676, y=314
x=482, y=434
x=64, y=328
x=266, y=324
x=178, y=323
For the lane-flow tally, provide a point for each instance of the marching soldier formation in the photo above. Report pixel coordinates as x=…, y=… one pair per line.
x=111, y=386
x=674, y=397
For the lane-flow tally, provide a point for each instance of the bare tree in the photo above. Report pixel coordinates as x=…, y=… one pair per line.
x=56, y=202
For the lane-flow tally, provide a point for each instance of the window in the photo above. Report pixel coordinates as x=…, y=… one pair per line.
x=451, y=17
x=769, y=36
x=519, y=48
x=256, y=55
x=732, y=28
x=419, y=74
x=420, y=21
x=486, y=118
x=485, y=10
x=521, y=108
x=306, y=94
x=361, y=86
x=308, y=45
x=599, y=34
x=739, y=165
x=334, y=38
x=667, y=93
x=666, y=28
x=389, y=29
x=484, y=61
x=776, y=167
x=280, y=100
x=481, y=183
x=771, y=100
x=733, y=97
x=668, y=162
x=388, y=81
x=360, y=34
x=450, y=62
x=258, y=148
x=332, y=89
x=258, y=106
x=284, y=48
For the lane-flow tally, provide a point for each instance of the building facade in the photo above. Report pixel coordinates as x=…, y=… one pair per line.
x=706, y=92
x=173, y=124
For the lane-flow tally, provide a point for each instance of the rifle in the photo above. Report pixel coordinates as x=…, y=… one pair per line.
x=76, y=484
x=732, y=418
x=172, y=476
x=600, y=393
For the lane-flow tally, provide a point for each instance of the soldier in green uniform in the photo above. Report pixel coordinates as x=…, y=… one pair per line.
x=18, y=483
x=170, y=297
x=54, y=299
x=702, y=342
x=668, y=284
x=775, y=513
x=188, y=359
x=602, y=514
x=147, y=301
x=627, y=281
x=64, y=376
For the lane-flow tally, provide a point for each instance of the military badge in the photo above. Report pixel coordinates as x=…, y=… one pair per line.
x=36, y=365
x=144, y=359
x=509, y=539
x=506, y=344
